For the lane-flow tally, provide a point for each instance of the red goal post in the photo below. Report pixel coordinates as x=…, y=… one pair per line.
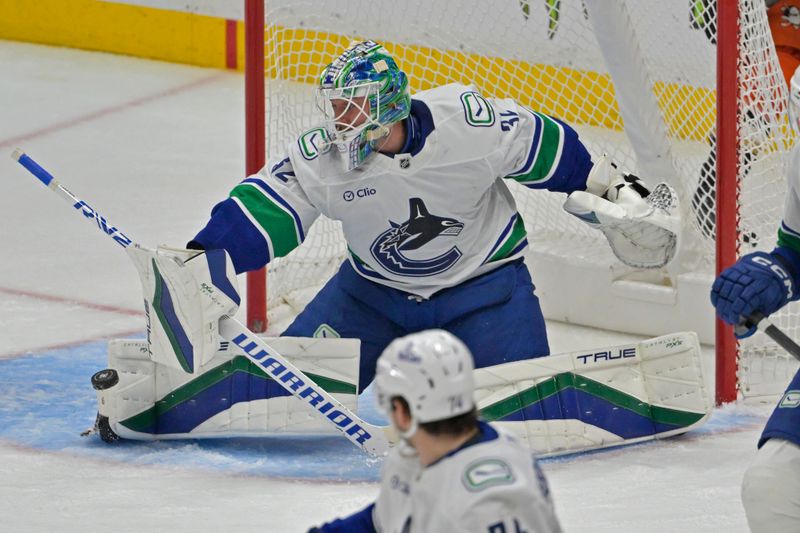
x=727, y=187
x=255, y=144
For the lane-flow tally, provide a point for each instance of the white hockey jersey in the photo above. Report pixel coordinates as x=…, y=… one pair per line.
x=490, y=486
x=420, y=221
x=789, y=232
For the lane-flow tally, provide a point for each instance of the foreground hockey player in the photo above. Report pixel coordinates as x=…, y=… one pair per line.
x=763, y=283
x=434, y=238
x=451, y=471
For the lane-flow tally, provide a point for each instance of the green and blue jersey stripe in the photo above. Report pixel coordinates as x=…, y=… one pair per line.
x=512, y=240
x=547, y=146
x=788, y=237
x=280, y=223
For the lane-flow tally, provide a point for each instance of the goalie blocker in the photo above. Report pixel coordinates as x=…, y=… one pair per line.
x=558, y=404
x=186, y=292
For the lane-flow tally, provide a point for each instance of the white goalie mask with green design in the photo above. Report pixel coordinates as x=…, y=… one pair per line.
x=361, y=94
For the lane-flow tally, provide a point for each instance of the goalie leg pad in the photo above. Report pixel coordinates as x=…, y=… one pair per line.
x=594, y=399
x=228, y=397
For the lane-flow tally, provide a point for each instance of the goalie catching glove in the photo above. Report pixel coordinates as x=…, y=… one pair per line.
x=641, y=225
x=186, y=292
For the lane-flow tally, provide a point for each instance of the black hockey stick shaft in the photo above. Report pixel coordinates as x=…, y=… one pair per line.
x=765, y=324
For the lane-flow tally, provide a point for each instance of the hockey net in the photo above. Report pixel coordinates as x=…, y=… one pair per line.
x=636, y=79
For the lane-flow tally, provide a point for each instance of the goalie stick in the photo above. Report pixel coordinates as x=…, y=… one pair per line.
x=765, y=324
x=373, y=439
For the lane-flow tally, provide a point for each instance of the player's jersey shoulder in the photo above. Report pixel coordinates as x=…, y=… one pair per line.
x=464, y=102
x=497, y=446
x=310, y=144
x=462, y=112
x=497, y=459
x=483, y=483
x=313, y=158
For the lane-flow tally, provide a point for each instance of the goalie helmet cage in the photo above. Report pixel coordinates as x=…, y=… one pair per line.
x=652, y=84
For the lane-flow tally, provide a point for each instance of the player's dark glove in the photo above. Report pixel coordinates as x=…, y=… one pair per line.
x=756, y=282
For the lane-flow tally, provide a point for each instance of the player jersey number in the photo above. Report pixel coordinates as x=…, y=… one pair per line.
x=283, y=170
x=509, y=118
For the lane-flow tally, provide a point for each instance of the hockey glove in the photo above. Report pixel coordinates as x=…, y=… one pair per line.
x=641, y=226
x=757, y=282
x=186, y=292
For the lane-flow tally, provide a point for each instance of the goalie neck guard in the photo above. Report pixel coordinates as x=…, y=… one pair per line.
x=432, y=371
x=361, y=94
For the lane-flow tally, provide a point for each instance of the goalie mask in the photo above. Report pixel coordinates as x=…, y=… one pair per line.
x=432, y=371
x=360, y=95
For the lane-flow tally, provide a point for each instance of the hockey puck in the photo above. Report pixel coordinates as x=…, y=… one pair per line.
x=105, y=379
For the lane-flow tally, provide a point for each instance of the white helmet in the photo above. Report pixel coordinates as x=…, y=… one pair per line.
x=432, y=371
x=794, y=101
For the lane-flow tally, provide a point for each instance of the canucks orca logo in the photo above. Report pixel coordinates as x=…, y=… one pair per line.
x=420, y=229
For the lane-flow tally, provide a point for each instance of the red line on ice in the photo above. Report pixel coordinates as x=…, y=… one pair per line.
x=68, y=344
x=71, y=301
x=13, y=141
x=63, y=300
